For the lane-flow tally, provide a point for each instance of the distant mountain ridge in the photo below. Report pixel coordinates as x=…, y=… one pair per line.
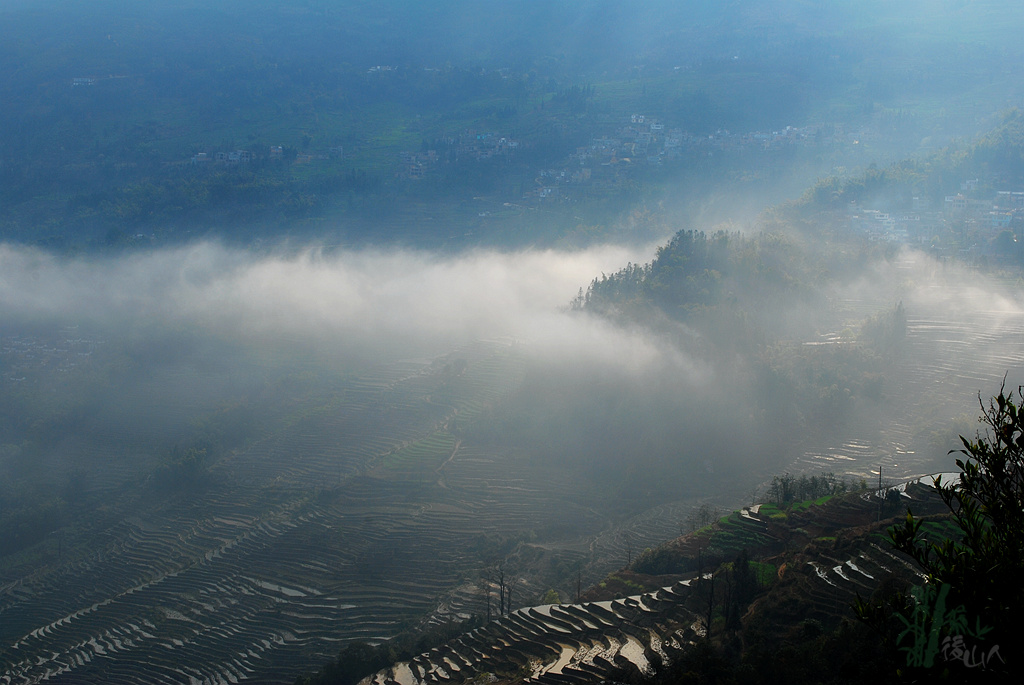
x=107, y=105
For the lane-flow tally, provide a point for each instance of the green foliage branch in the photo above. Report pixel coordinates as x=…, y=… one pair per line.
x=988, y=505
x=972, y=585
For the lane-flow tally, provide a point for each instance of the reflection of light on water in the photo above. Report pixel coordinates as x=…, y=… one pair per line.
x=951, y=357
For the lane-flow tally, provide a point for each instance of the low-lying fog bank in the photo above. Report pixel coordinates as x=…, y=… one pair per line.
x=364, y=426
x=202, y=324
x=339, y=304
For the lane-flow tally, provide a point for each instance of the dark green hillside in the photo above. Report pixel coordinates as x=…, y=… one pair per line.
x=996, y=159
x=762, y=305
x=747, y=304
x=731, y=285
x=352, y=114
x=774, y=533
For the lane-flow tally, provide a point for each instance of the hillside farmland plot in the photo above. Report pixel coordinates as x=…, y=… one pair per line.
x=358, y=509
x=365, y=503
x=953, y=355
x=329, y=526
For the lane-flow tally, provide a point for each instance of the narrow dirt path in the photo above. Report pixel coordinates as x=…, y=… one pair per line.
x=442, y=480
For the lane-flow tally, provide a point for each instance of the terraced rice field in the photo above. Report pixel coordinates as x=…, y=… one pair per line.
x=360, y=510
x=562, y=643
x=315, y=536
x=631, y=637
x=365, y=508
x=953, y=353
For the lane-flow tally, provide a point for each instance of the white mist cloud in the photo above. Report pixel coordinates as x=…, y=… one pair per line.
x=352, y=301
x=929, y=286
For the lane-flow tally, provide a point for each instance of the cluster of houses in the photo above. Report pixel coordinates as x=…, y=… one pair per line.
x=335, y=152
x=646, y=140
x=83, y=81
x=236, y=157
x=484, y=145
x=233, y=157
x=472, y=145
x=415, y=165
x=974, y=218
x=998, y=213
x=916, y=227
x=643, y=140
x=802, y=136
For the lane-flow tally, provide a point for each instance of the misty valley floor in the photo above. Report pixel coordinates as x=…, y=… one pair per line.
x=954, y=357
x=354, y=516
x=342, y=524
x=289, y=351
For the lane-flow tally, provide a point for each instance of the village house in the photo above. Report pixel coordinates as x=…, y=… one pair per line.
x=1000, y=219
x=234, y=157
x=1006, y=199
x=956, y=203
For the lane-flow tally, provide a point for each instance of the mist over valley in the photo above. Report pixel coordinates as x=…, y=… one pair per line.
x=249, y=446
x=488, y=299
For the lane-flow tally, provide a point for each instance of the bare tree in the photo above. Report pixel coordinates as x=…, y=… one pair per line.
x=485, y=587
x=511, y=585
x=499, y=576
x=693, y=520
x=701, y=516
x=707, y=514
x=710, y=584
